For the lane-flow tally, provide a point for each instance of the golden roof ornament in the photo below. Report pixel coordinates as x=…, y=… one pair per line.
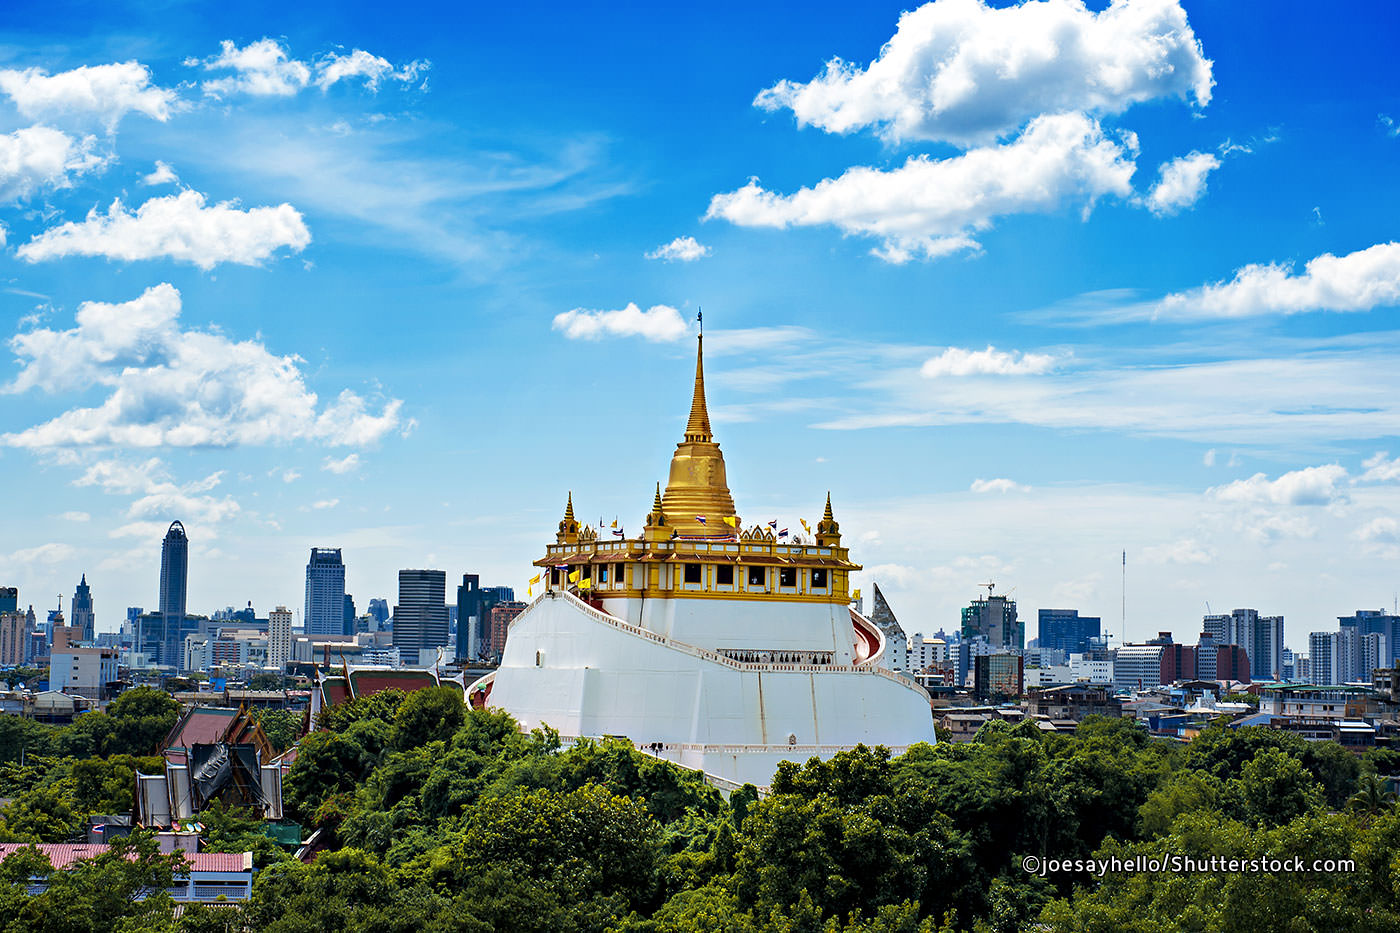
x=828, y=531
x=568, y=528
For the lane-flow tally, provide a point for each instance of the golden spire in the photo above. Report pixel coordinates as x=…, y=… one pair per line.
x=656, y=529
x=828, y=531
x=568, y=528
x=697, y=429
x=697, y=487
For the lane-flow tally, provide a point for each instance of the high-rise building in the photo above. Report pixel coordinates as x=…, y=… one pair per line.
x=1375, y=622
x=998, y=677
x=1322, y=655
x=12, y=638
x=474, y=603
x=1348, y=655
x=379, y=610
x=279, y=638
x=1374, y=653
x=348, y=618
x=84, y=619
x=994, y=618
x=325, y=593
x=1231, y=663
x=501, y=615
x=9, y=599
x=420, y=616
x=1138, y=667
x=1261, y=637
x=1068, y=631
x=174, y=580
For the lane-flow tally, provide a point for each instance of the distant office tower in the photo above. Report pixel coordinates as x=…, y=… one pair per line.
x=1178, y=663
x=502, y=614
x=1322, y=658
x=1066, y=630
x=1348, y=655
x=379, y=611
x=9, y=599
x=474, y=603
x=1231, y=663
x=279, y=638
x=1261, y=637
x=325, y=592
x=420, y=617
x=174, y=578
x=1138, y=667
x=1373, y=654
x=83, y=618
x=998, y=677
x=1375, y=622
x=13, y=638
x=994, y=618
x=348, y=617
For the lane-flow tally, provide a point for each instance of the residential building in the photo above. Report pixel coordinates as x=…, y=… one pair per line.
x=1304, y=701
x=1325, y=665
x=1073, y=701
x=83, y=671
x=13, y=638
x=1066, y=630
x=1261, y=637
x=501, y=615
x=1137, y=667
x=84, y=620
x=474, y=603
x=209, y=876
x=420, y=616
x=1178, y=663
x=325, y=593
x=1374, y=654
x=279, y=638
x=1232, y=663
x=926, y=652
x=994, y=619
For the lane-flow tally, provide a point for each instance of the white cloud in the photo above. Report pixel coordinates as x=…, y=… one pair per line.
x=163, y=175
x=956, y=361
x=179, y=227
x=1358, y=281
x=371, y=69
x=159, y=499
x=345, y=464
x=1182, y=551
x=107, y=92
x=177, y=388
x=1382, y=530
x=1180, y=183
x=262, y=69
x=42, y=157
x=657, y=323
x=266, y=69
x=998, y=485
x=325, y=504
x=290, y=476
x=1380, y=468
x=963, y=72
x=76, y=517
x=42, y=554
x=681, y=249
x=1317, y=485
x=1208, y=458
x=931, y=207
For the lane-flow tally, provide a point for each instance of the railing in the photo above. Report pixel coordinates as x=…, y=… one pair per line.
x=714, y=656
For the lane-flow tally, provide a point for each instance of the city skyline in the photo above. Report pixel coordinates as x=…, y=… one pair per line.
x=1184, y=347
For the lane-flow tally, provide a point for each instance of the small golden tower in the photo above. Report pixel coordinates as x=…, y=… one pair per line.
x=697, y=486
x=656, y=528
x=568, y=528
x=828, y=531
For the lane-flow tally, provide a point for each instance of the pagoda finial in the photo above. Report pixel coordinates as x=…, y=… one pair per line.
x=568, y=528
x=828, y=531
x=656, y=503
x=656, y=519
x=697, y=429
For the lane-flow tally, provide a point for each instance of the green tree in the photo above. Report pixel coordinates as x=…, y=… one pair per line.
x=1275, y=788
x=281, y=726
x=427, y=715
x=1373, y=796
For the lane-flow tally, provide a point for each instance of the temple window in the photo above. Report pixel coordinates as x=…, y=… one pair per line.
x=692, y=573
x=758, y=576
x=620, y=576
x=819, y=578
x=724, y=575
x=787, y=576
x=603, y=574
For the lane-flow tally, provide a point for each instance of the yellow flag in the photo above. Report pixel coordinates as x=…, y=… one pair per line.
x=573, y=577
x=805, y=527
x=535, y=579
x=585, y=584
x=732, y=521
x=529, y=591
x=855, y=595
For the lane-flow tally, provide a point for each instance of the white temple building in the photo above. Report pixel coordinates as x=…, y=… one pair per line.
x=726, y=649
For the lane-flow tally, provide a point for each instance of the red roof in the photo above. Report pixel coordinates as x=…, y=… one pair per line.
x=64, y=855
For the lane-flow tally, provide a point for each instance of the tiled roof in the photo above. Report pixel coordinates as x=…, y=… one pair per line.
x=64, y=855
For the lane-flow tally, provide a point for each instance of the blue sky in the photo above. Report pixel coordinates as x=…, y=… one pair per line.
x=1022, y=287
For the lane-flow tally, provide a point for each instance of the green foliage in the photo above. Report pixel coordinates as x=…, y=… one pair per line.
x=18, y=733
x=281, y=726
x=429, y=715
x=267, y=681
x=135, y=723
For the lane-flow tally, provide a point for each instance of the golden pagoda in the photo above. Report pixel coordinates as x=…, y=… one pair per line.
x=697, y=497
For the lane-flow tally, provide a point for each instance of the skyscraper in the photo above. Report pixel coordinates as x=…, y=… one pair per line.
x=348, y=616
x=9, y=599
x=279, y=638
x=1261, y=637
x=474, y=603
x=994, y=618
x=174, y=578
x=1066, y=630
x=83, y=618
x=325, y=592
x=420, y=617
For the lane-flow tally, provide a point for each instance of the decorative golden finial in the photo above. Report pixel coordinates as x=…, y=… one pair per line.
x=568, y=528
x=697, y=429
x=828, y=531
